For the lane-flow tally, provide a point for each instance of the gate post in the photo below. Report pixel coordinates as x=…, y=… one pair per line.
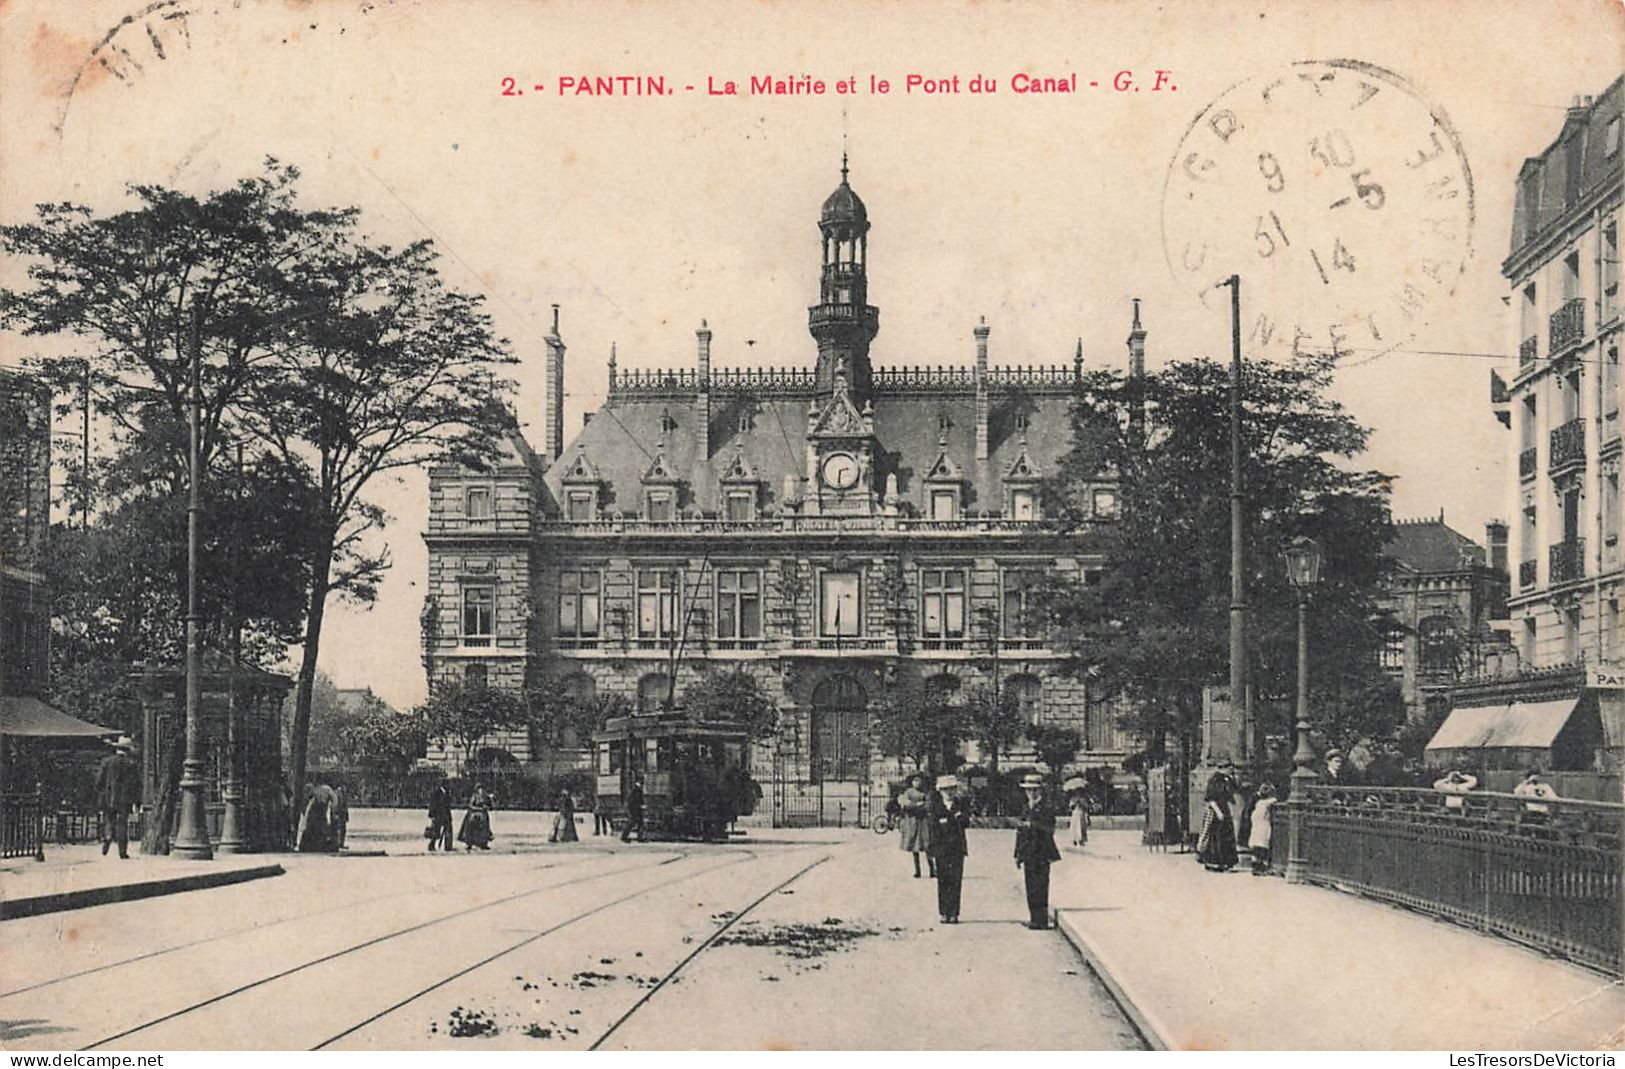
x=39, y=821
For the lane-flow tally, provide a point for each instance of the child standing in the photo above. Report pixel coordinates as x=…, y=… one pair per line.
x=1258, y=838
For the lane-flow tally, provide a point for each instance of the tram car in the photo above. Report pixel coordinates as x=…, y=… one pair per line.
x=695, y=780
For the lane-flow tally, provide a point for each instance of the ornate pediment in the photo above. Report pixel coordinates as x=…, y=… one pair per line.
x=1022, y=469
x=740, y=470
x=840, y=419
x=944, y=470
x=659, y=472
x=581, y=470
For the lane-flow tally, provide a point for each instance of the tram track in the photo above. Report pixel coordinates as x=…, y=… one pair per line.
x=386, y=937
x=296, y=919
x=740, y=858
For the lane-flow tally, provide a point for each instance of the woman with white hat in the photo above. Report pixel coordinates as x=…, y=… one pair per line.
x=949, y=820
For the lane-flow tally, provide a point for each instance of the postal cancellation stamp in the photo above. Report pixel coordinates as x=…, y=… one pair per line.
x=1339, y=194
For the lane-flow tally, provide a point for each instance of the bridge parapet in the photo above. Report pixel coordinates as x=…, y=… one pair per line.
x=1543, y=872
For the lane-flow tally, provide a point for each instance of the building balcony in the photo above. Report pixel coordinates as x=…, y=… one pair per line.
x=1567, y=325
x=1526, y=353
x=793, y=524
x=1565, y=561
x=1526, y=574
x=1568, y=446
x=1526, y=463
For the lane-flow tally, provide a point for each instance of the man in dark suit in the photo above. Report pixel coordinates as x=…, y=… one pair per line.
x=118, y=788
x=949, y=819
x=634, y=811
x=1035, y=849
x=440, y=818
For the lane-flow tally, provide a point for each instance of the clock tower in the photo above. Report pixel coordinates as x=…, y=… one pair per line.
x=843, y=322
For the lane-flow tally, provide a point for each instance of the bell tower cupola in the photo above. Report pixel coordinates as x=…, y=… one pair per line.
x=843, y=322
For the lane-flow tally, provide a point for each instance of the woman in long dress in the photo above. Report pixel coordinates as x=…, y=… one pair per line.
x=1216, y=844
x=476, y=829
x=1080, y=819
x=315, y=826
x=915, y=823
x=564, y=825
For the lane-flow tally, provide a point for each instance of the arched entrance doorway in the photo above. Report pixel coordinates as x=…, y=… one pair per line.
x=841, y=749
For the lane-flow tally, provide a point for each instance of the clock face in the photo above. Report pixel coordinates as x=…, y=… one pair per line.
x=841, y=471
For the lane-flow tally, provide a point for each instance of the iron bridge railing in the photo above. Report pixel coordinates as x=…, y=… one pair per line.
x=1546, y=874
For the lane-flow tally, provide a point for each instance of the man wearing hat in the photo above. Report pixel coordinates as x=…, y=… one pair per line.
x=117, y=789
x=1035, y=849
x=948, y=823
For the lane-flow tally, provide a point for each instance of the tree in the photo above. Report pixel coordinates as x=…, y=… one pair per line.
x=389, y=739
x=1056, y=746
x=386, y=368
x=732, y=694
x=465, y=713
x=994, y=720
x=1154, y=625
x=912, y=725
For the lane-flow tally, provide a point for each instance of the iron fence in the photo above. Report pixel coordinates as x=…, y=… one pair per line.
x=1546, y=873
x=22, y=831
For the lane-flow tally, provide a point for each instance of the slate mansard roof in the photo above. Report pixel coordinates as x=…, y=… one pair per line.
x=769, y=434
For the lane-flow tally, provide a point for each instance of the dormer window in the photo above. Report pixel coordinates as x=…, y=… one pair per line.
x=478, y=504
x=944, y=505
x=659, y=506
x=740, y=506
x=1105, y=503
x=579, y=506
x=1023, y=505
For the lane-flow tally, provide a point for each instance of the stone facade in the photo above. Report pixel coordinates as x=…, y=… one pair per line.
x=1447, y=598
x=838, y=529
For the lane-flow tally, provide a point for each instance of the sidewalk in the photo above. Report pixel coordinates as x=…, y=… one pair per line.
x=74, y=877
x=1208, y=961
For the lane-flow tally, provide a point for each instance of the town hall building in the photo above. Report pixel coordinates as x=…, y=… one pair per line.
x=839, y=528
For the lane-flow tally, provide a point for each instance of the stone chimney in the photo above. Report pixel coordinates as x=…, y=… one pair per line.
x=982, y=331
x=1495, y=541
x=553, y=417
x=702, y=415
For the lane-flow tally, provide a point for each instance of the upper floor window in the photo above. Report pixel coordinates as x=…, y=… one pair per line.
x=1610, y=137
x=1528, y=314
x=579, y=603
x=739, y=604
x=944, y=505
x=660, y=506
x=1023, y=505
x=1021, y=618
x=479, y=504
x=1571, y=276
x=1029, y=697
x=479, y=615
x=579, y=506
x=942, y=603
x=1105, y=503
x=1610, y=267
x=740, y=506
x=658, y=596
x=1393, y=650
x=838, y=606
x=1437, y=639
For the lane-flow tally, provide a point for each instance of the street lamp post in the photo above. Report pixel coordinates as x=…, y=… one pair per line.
x=192, y=837
x=1303, y=571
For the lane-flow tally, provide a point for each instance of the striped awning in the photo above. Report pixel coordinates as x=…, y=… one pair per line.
x=1505, y=725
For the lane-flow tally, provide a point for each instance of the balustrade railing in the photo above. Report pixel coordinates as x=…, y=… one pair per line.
x=1545, y=873
x=1567, y=325
x=632, y=525
x=1568, y=445
x=1565, y=561
x=22, y=825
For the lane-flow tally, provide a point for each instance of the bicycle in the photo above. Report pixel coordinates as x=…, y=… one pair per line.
x=884, y=823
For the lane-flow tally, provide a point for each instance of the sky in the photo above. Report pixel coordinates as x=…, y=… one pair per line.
x=641, y=215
